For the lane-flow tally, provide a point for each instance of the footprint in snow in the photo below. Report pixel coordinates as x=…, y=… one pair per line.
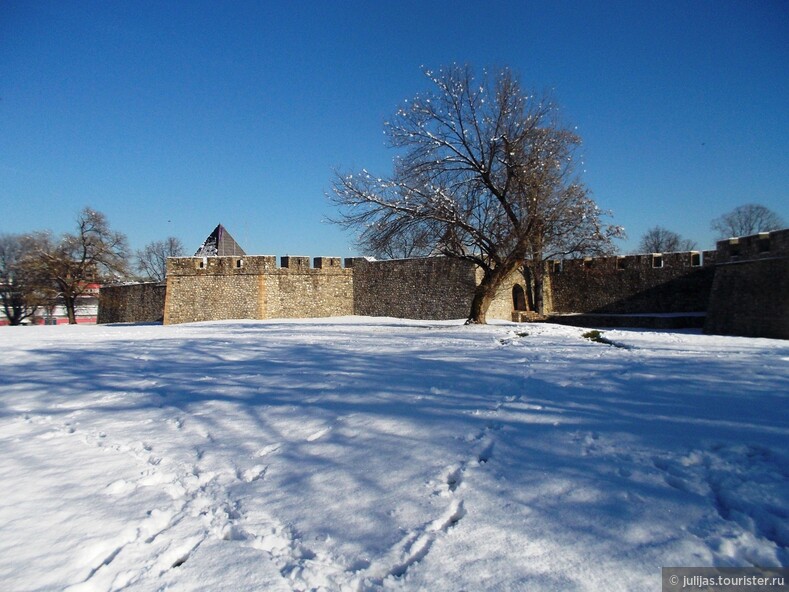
x=254, y=474
x=269, y=449
x=416, y=545
x=455, y=478
x=319, y=434
x=486, y=452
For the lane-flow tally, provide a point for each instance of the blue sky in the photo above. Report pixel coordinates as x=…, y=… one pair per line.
x=171, y=117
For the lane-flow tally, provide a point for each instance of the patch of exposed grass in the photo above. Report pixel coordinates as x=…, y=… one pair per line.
x=597, y=337
x=513, y=337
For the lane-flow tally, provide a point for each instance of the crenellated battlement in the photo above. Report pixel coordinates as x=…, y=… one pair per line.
x=257, y=287
x=255, y=265
x=765, y=245
x=679, y=260
x=648, y=283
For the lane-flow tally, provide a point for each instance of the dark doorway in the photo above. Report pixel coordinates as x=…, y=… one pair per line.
x=518, y=298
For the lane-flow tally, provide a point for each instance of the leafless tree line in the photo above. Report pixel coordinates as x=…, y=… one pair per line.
x=742, y=221
x=38, y=269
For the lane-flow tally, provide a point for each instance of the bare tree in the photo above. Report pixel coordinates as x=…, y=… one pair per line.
x=398, y=242
x=23, y=290
x=94, y=254
x=661, y=240
x=569, y=226
x=746, y=220
x=152, y=260
x=485, y=173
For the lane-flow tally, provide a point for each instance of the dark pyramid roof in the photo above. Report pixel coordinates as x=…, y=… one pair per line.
x=220, y=244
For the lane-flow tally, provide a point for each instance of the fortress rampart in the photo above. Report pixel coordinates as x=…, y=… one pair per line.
x=750, y=292
x=655, y=283
x=254, y=287
x=132, y=303
x=742, y=287
x=430, y=288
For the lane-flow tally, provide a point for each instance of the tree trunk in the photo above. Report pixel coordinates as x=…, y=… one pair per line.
x=528, y=279
x=485, y=292
x=10, y=312
x=71, y=304
x=483, y=296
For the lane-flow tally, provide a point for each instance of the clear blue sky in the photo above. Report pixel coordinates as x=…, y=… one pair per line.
x=171, y=117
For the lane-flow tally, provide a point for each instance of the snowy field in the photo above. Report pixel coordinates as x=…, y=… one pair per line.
x=380, y=454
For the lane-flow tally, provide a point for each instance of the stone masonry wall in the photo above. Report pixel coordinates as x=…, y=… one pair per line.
x=224, y=288
x=430, y=288
x=133, y=303
x=215, y=288
x=743, y=286
x=750, y=294
x=297, y=291
x=635, y=284
x=438, y=288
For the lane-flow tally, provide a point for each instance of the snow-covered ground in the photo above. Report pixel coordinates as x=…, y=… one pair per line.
x=378, y=454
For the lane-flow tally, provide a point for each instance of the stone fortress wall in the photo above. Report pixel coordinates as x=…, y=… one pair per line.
x=633, y=284
x=254, y=287
x=430, y=288
x=132, y=303
x=741, y=288
x=437, y=288
x=750, y=291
